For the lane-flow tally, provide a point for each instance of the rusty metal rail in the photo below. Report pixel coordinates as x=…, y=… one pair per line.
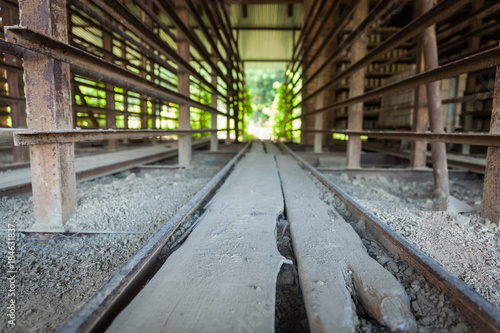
x=478, y=139
x=40, y=138
x=87, y=64
x=483, y=60
x=481, y=314
x=96, y=315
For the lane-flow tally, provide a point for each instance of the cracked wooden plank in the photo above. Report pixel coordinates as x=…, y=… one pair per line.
x=223, y=278
x=333, y=263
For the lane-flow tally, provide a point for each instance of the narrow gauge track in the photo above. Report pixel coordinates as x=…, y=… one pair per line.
x=98, y=313
x=22, y=184
x=105, y=305
x=482, y=315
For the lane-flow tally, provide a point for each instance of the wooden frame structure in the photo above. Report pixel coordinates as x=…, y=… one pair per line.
x=426, y=41
x=137, y=68
x=153, y=68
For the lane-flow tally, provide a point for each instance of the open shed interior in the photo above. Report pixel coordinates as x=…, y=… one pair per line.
x=116, y=114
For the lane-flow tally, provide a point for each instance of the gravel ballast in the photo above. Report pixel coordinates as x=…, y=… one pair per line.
x=465, y=244
x=57, y=274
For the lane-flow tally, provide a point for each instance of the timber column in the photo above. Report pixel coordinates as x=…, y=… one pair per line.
x=16, y=88
x=418, y=154
x=357, y=88
x=110, y=90
x=48, y=102
x=214, y=140
x=491, y=191
x=183, y=87
x=439, y=161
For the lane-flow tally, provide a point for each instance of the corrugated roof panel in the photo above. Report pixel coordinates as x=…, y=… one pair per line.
x=269, y=15
x=266, y=45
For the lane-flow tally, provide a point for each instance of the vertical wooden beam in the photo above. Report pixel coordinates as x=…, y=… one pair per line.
x=491, y=190
x=418, y=153
x=439, y=162
x=125, y=91
x=228, y=119
x=15, y=84
x=356, y=88
x=229, y=99
x=474, y=45
x=309, y=122
x=214, y=140
x=183, y=87
x=110, y=95
x=144, y=64
x=236, y=115
x=48, y=101
x=331, y=98
x=318, y=118
x=144, y=98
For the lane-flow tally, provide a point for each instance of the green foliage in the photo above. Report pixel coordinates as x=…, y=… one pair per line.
x=283, y=112
x=261, y=84
x=247, y=113
x=279, y=118
x=199, y=118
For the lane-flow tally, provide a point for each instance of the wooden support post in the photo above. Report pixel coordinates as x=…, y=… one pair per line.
x=236, y=116
x=144, y=98
x=15, y=84
x=318, y=118
x=320, y=100
x=229, y=100
x=418, y=153
x=48, y=101
x=439, y=162
x=183, y=87
x=214, y=140
x=474, y=45
x=110, y=95
x=331, y=98
x=125, y=91
x=306, y=138
x=144, y=64
x=491, y=191
x=356, y=88
x=228, y=119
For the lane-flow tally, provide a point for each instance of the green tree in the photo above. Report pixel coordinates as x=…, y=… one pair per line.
x=284, y=112
x=261, y=82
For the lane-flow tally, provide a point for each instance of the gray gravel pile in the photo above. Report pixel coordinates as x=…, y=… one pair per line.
x=57, y=274
x=465, y=244
x=432, y=309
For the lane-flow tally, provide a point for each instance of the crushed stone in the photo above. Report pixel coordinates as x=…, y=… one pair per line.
x=465, y=244
x=57, y=274
x=433, y=310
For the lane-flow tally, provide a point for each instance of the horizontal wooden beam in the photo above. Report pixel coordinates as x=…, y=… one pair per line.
x=39, y=138
x=477, y=139
x=86, y=64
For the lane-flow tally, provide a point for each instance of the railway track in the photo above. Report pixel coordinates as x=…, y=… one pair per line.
x=18, y=181
x=119, y=292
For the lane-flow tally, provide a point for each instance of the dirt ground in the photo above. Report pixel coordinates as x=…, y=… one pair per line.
x=464, y=243
x=58, y=274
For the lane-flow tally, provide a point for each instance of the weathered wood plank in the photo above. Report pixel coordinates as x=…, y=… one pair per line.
x=223, y=278
x=332, y=260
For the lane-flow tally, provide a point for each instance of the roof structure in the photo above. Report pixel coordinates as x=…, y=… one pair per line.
x=266, y=32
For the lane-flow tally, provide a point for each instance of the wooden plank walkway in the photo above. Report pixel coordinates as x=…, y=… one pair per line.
x=223, y=278
x=331, y=260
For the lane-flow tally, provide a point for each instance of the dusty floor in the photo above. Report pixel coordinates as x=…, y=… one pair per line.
x=465, y=244
x=55, y=276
